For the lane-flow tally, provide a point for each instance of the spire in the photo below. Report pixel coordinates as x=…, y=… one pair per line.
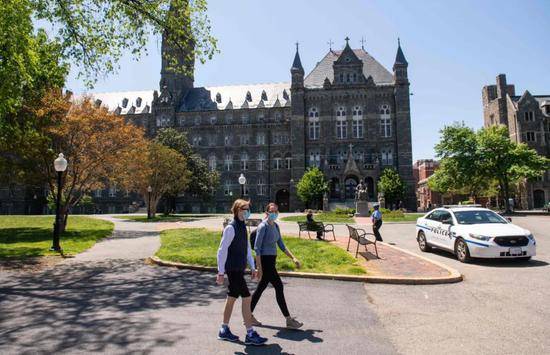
x=297, y=64
x=400, y=57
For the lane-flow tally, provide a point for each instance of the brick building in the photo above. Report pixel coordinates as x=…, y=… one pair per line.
x=426, y=198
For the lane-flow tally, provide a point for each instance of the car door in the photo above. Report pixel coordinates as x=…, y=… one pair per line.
x=432, y=224
x=445, y=232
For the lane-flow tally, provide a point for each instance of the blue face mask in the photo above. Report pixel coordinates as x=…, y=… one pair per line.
x=273, y=216
x=247, y=214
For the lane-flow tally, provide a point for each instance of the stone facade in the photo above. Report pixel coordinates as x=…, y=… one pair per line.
x=349, y=116
x=528, y=120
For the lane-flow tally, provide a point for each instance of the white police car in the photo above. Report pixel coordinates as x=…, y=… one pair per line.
x=473, y=232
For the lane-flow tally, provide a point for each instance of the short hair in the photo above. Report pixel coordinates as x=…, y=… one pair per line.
x=237, y=205
x=269, y=205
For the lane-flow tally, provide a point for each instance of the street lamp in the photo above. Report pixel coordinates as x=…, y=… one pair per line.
x=60, y=165
x=149, y=190
x=242, y=181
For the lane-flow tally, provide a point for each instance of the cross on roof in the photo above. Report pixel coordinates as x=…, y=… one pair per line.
x=330, y=43
x=363, y=43
x=347, y=40
x=297, y=44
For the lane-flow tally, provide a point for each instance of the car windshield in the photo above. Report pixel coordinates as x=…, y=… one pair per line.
x=478, y=217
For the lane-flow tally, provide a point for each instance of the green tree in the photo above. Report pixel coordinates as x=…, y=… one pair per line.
x=312, y=186
x=391, y=185
x=202, y=179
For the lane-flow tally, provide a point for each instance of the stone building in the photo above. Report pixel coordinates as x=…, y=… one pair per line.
x=528, y=120
x=349, y=116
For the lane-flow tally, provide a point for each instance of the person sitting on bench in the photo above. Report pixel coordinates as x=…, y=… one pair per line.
x=309, y=218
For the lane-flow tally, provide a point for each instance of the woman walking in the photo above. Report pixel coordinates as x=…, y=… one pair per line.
x=268, y=237
x=233, y=254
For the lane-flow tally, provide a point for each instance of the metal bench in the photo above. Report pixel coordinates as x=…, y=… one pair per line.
x=315, y=227
x=360, y=236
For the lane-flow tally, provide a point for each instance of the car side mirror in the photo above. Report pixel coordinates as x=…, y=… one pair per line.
x=509, y=219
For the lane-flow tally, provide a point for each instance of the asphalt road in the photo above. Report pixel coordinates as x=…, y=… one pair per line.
x=501, y=307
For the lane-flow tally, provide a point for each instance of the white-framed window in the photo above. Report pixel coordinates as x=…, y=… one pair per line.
x=212, y=162
x=285, y=139
x=227, y=188
x=261, y=187
x=244, y=139
x=197, y=141
x=277, y=162
x=314, y=126
x=228, y=162
x=163, y=121
x=197, y=120
x=245, y=118
x=341, y=124
x=288, y=161
x=181, y=121
x=315, y=159
x=385, y=121
x=98, y=193
x=112, y=191
x=227, y=140
x=530, y=137
x=387, y=156
x=260, y=139
x=261, y=161
x=529, y=116
x=244, y=161
x=357, y=122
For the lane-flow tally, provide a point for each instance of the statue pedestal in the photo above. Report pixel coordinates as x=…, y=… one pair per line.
x=361, y=208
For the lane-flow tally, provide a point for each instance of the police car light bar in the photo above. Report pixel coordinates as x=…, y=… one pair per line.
x=461, y=206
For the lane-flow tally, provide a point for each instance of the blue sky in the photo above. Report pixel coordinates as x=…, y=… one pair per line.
x=453, y=49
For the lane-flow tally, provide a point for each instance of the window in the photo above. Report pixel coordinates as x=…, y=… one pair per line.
x=529, y=116
x=288, y=161
x=315, y=159
x=262, y=187
x=385, y=121
x=341, y=77
x=197, y=141
x=228, y=163
x=212, y=140
x=260, y=139
x=357, y=122
x=244, y=118
x=278, y=116
x=277, y=162
x=261, y=161
x=112, y=191
x=197, y=120
x=341, y=124
x=212, y=119
x=181, y=121
x=358, y=155
x=212, y=162
x=163, y=121
x=98, y=193
x=261, y=116
x=244, y=139
x=227, y=189
x=387, y=156
x=229, y=118
x=314, y=127
x=244, y=161
x=530, y=136
x=227, y=140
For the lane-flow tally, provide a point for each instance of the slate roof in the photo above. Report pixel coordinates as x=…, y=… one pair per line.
x=540, y=98
x=371, y=67
x=114, y=100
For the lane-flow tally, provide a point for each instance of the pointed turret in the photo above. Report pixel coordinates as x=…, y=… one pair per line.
x=400, y=57
x=297, y=71
x=400, y=66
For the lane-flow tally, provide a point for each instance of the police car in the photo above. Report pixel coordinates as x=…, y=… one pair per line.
x=473, y=232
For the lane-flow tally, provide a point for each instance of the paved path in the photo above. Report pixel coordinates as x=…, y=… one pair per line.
x=109, y=300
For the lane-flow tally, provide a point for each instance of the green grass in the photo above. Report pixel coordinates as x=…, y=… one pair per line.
x=407, y=217
x=28, y=236
x=199, y=246
x=169, y=218
x=325, y=217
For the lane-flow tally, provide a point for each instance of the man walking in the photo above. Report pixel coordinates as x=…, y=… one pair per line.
x=376, y=218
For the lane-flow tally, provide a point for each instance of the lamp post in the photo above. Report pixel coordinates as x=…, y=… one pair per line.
x=242, y=181
x=60, y=165
x=149, y=190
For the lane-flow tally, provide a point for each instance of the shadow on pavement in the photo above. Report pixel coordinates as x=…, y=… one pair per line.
x=101, y=307
x=265, y=349
x=295, y=335
x=496, y=262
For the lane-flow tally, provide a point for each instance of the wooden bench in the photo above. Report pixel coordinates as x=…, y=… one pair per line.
x=315, y=227
x=360, y=236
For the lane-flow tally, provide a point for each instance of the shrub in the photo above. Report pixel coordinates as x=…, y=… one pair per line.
x=344, y=211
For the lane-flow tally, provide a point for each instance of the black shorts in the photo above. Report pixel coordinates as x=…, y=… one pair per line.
x=237, y=284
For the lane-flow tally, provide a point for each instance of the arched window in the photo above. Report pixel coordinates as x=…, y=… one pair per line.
x=244, y=161
x=341, y=124
x=228, y=163
x=357, y=122
x=261, y=161
x=385, y=121
x=314, y=127
x=212, y=162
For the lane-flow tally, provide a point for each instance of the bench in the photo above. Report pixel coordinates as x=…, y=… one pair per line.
x=251, y=222
x=315, y=227
x=360, y=236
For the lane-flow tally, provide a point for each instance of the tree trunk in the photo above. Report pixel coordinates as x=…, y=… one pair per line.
x=505, y=192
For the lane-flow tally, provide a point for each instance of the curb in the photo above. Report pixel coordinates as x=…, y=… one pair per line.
x=453, y=278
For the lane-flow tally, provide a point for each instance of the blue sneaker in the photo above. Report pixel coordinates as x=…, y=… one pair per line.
x=225, y=334
x=254, y=339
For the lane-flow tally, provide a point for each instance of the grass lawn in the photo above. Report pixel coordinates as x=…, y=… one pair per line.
x=199, y=246
x=325, y=217
x=26, y=236
x=407, y=217
x=170, y=218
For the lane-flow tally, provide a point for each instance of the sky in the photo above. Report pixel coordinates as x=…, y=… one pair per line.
x=454, y=48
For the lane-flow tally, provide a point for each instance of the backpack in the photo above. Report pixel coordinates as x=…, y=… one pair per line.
x=253, y=236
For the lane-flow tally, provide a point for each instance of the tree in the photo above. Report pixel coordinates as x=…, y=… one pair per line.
x=391, y=185
x=98, y=146
x=312, y=186
x=163, y=169
x=202, y=179
x=95, y=34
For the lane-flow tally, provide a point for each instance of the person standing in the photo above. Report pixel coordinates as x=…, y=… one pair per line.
x=233, y=253
x=309, y=218
x=268, y=237
x=376, y=218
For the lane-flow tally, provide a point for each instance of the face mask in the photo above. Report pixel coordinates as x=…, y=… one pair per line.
x=247, y=214
x=273, y=216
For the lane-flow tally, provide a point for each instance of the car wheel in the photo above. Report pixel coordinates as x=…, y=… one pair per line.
x=422, y=243
x=462, y=252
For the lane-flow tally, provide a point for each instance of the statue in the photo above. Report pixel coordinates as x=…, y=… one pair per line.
x=361, y=192
x=361, y=204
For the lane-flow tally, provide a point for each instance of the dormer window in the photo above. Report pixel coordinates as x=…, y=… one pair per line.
x=264, y=96
x=219, y=98
x=285, y=95
x=138, y=102
x=248, y=96
x=124, y=102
